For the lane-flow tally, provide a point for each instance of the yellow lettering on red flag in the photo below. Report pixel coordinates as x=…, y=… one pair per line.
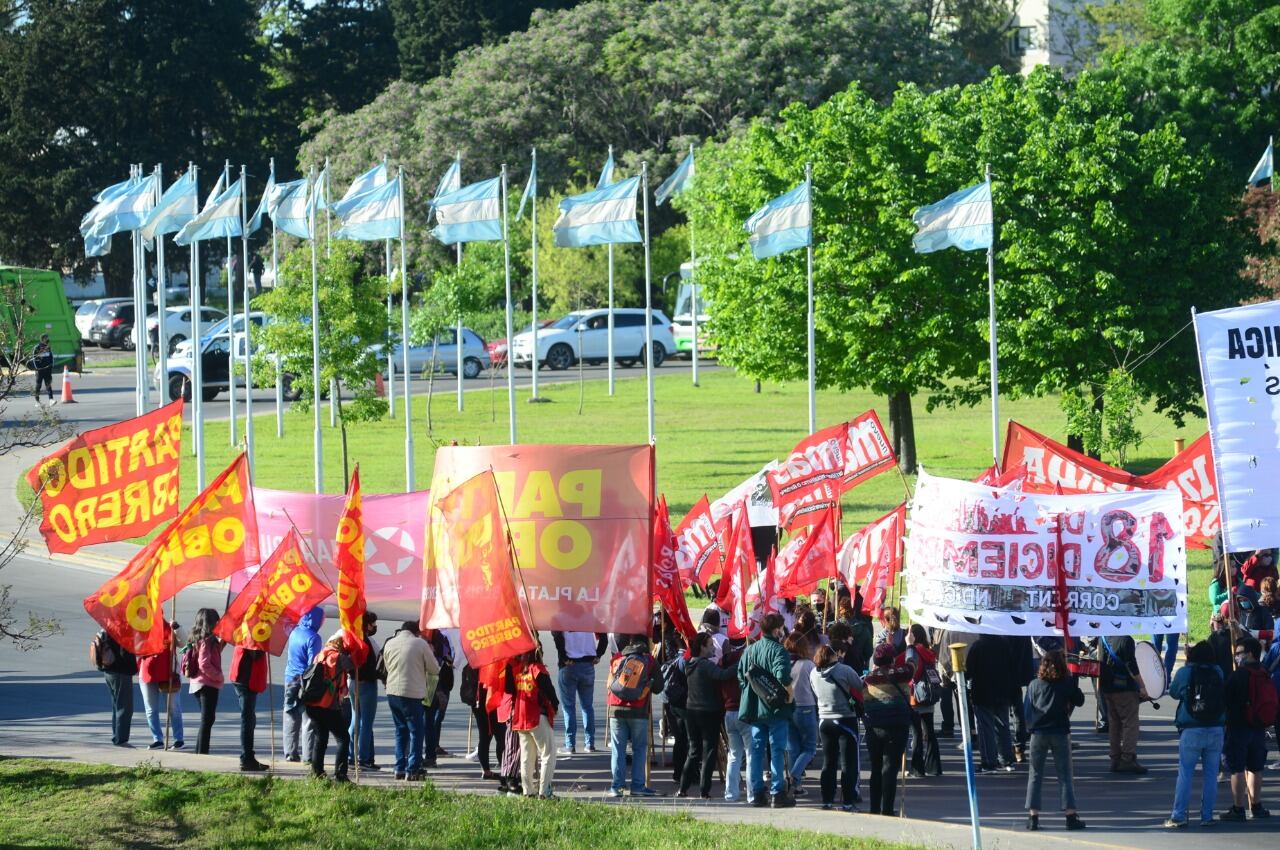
x=271, y=604
x=350, y=561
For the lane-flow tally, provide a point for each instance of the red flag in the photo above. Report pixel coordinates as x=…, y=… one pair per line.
x=993, y=477
x=283, y=589
x=350, y=562
x=667, y=587
x=871, y=557
x=469, y=549
x=740, y=561
x=867, y=451
x=216, y=535
x=808, y=557
x=697, y=545
x=1192, y=473
x=809, y=479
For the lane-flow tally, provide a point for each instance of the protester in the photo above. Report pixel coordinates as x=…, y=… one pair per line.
x=249, y=677
x=802, y=737
x=1047, y=706
x=926, y=759
x=475, y=694
x=1200, y=717
x=704, y=713
x=992, y=691
x=765, y=669
x=534, y=706
x=577, y=654
x=438, y=703
x=160, y=682
x=1167, y=644
x=807, y=628
x=737, y=733
x=1225, y=573
x=366, y=692
x=675, y=690
x=632, y=682
x=304, y=645
x=1268, y=598
x=1259, y=566
x=411, y=669
x=42, y=363
x=1023, y=674
x=1251, y=708
x=888, y=708
x=334, y=663
x=891, y=631
x=1272, y=662
x=1222, y=637
x=205, y=672
x=510, y=770
x=834, y=684
x=950, y=702
x=711, y=625
x=1119, y=685
x=118, y=667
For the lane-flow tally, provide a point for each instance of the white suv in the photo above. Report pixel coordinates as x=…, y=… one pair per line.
x=584, y=334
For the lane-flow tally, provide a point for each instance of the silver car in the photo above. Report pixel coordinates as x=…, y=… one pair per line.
x=475, y=357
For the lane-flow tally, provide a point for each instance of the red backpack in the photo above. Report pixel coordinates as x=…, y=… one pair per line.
x=1260, y=710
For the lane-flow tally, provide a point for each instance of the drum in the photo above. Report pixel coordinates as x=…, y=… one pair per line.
x=1150, y=669
x=1080, y=665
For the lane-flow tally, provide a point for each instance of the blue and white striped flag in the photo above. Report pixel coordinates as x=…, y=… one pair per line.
x=1265, y=169
x=471, y=214
x=599, y=217
x=783, y=224
x=375, y=217
x=450, y=181
x=530, y=190
x=606, y=173
x=218, y=219
x=367, y=182
x=290, y=209
x=175, y=209
x=961, y=220
x=97, y=244
x=123, y=206
x=676, y=183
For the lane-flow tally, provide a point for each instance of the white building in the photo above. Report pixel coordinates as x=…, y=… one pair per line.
x=1048, y=32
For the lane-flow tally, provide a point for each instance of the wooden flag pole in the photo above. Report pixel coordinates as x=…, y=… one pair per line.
x=271, y=708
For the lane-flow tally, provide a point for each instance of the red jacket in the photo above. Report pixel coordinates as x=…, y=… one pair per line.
x=249, y=667
x=529, y=683
x=160, y=668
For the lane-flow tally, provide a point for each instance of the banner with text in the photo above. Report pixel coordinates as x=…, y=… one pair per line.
x=985, y=560
x=872, y=556
x=271, y=604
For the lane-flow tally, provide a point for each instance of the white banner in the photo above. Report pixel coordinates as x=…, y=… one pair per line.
x=1240, y=366
x=985, y=560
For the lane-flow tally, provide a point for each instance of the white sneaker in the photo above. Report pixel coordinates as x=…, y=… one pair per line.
x=474, y=755
x=564, y=752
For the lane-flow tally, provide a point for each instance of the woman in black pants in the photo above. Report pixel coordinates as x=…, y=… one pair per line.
x=205, y=672
x=476, y=695
x=888, y=707
x=834, y=685
x=704, y=713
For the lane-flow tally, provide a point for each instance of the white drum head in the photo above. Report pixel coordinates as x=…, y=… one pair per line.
x=1150, y=669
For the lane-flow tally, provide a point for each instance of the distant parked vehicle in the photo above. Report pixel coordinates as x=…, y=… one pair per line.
x=584, y=334
x=113, y=326
x=497, y=348
x=87, y=312
x=475, y=357
x=177, y=324
x=215, y=364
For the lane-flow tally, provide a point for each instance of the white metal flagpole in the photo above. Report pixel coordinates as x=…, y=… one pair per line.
x=533, y=364
x=610, y=337
x=506, y=265
x=812, y=364
x=995, y=363
x=197, y=331
x=162, y=341
x=248, y=325
x=231, y=318
x=317, y=445
x=648, y=298
x=139, y=313
x=391, y=354
x=693, y=292
x=457, y=363
x=404, y=351
x=275, y=281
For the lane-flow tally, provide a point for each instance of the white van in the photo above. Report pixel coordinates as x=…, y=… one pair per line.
x=584, y=334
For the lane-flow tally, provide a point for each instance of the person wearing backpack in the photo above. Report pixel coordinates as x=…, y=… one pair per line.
x=675, y=694
x=764, y=675
x=704, y=713
x=1251, y=710
x=161, y=685
x=367, y=678
x=577, y=654
x=533, y=716
x=204, y=669
x=118, y=666
x=632, y=681
x=1047, y=707
x=1198, y=687
x=1272, y=662
x=304, y=645
x=331, y=666
x=411, y=669
x=249, y=676
x=926, y=692
x=834, y=685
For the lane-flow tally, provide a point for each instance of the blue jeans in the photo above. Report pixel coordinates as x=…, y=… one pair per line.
x=802, y=738
x=410, y=719
x=363, y=742
x=1197, y=745
x=153, y=700
x=577, y=686
x=1042, y=745
x=431, y=733
x=739, y=735
x=622, y=730
x=121, y=687
x=248, y=722
x=773, y=735
x=1170, y=644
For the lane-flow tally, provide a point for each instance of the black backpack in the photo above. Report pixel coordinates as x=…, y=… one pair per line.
x=766, y=686
x=104, y=652
x=1204, y=695
x=314, y=684
x=675, y=684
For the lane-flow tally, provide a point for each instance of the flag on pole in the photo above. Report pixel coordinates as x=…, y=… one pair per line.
x=367, y=182
x=606, y=173
x=373, y=215
x=174, y=209
x=668, y=589
x=961, y=220
x=782, y=224
x=319, y=198
x=218, y=219
x=119, y=207
x=350, y=562
x=530, y=190
x=599, y=217
x=450, y=181
x=1266, y=166
x=676, y=183
x=739, y=558
x=264, y=203
x=470, y=214
x=289, y=207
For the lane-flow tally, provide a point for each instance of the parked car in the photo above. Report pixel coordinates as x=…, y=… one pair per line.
x=215, y=368
x=113, y=326
x=475, y=356
x=584, y=334
x=87, y=312
x=177, y=324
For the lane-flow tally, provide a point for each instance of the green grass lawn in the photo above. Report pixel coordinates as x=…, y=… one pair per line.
x=56, y=804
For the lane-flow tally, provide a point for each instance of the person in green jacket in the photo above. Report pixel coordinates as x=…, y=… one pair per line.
x=770, y=725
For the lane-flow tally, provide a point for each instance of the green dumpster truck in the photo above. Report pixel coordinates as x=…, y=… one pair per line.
x=33, y=302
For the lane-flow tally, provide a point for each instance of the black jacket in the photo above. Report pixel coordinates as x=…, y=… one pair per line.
x=989, y=666
x=1118, y=666
x=1048, y=705
x=705, y=677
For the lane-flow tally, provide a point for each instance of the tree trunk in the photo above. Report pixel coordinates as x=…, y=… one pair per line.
x=1075, y=443
x=902, y=430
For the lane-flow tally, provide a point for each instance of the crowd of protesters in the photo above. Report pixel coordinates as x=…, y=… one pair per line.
x=817, y=674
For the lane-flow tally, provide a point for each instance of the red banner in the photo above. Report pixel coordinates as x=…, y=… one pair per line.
x=871, y=557
x=697, y=545
x=867, y=450
x=1191, y=473
x=808, y=557
x=581, y=525
x=350, y=562
x=492, y=622
x=112, y=483
x=668, y=590
x=993, y=477
x=213, y=537
x=739, y=571
x=270, y=605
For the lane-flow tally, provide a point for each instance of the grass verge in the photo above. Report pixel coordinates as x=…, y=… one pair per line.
x=56, y=804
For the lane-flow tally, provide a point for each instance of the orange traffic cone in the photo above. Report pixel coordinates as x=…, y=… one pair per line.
x=379, y=386
x=66, y=388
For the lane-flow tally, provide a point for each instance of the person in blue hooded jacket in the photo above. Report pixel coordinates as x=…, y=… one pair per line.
x=304, y=645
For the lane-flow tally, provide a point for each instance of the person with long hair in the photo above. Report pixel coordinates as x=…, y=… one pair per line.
x=926, y=758
x=888, y=713
x=802, y=738
x=1048, y=704
x=834, y=684
x=704, y=713
x=207, y=682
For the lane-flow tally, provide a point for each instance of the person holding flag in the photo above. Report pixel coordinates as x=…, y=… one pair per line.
x=249, y=677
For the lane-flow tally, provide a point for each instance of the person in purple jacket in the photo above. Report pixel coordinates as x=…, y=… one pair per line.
x=206, y=683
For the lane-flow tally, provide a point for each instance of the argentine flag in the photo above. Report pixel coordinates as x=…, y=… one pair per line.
x=470, y=214
x=961, y=220
x=175, y=209
x=600, y=217
x=218, y=219
x=530, y=189
x=97, y=244
x=289, y=208
x=367, y=182
x=263, y=203
x=1265, y=167
x=450, y=181
x=123, y=206
x=676, y=183
x=783, y=224
x=606, y=173
x=376, y=216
